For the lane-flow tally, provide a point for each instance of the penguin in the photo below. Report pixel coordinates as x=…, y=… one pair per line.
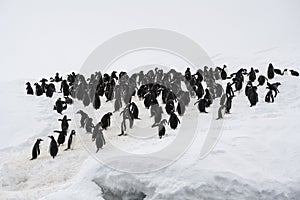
x=71, y=140
x=84, y=116
x=223, y=72
x=229, y=90
x=53, y=148
x=252, y=75
x=96, y=130
x=158, y=115
x=89, y=125
x=221, y=111
x=86, y=99
x=269, y=98
x=294, y=73
x=100, y=141
x=270, y=71
x=29, y=89
x=38, y=90
x=273, y=87
x=60, y=106
x=228, y=104
x=127, y=116
x=161, y=128
x=279, y=72
x=173, y=120
x=64, y=88
x=261, y=80
x=61, y=137
x=105, y=120
x=208, y=98
x=97, y=102
x=170, y=107
x=201, y=105
x=36, y=149
x=64, y=123
x=50, y=89
x=180, y=108
x=252, y=96
x=134, y=110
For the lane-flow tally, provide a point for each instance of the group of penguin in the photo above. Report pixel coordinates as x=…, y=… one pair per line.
x=48, y=90
x=149, y=87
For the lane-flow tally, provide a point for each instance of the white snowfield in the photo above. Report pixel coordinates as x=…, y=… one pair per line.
x=256, y=157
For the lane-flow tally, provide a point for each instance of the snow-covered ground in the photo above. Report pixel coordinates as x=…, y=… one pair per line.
x=257, y=156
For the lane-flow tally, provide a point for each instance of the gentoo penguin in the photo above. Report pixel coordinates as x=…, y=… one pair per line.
x=29, y=88
x=221, y=111
x=53, y=148
x=261, y=80
x=170, y=107
x=61, y=137
x=252, y=96
x=161, y=128
x=294, y=73
x=100, y=141
x=279, y=72
x=270, y=71
x=269, y=98
x=84, y=116
x=134, y=110
x=64, y=122
x=96, y=130
x=105, y=120
x=223, y=72
x=180, y=108
x=36, y=149
x=252, y=75
x=173, y=121
x=201, y=105
x=60, y=106
x=96, y=102
x=208, y=97
x=89, y=125
x=38, y=90
x=71, y=140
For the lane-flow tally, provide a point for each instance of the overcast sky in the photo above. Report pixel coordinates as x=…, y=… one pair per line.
x=42, y=37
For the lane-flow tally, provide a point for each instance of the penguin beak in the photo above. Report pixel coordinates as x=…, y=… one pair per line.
x=49, y=136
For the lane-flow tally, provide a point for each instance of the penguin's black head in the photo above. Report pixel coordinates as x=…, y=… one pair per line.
x=27, y=83
x=79, y=112
x=39, y=140
x=110, y=114
x=73, y=132
x=51, y=136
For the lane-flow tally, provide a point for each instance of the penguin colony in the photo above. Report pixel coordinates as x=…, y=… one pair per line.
x=152, y=87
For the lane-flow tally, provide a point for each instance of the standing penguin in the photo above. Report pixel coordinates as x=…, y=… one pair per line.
x=53, y=148
x=38, y=90
x=134, y=110
x=89, y=125
x=36, y=149
x=105, y=120
x=60, y=106
x=252, y=96
x=61, y=137
x=270, y=71
x=201, y=105
x=71, y=140
x=161, y=128
x=29, y=88
x=97, y=102
x=100, y=141
x=64, y=123
x=84, y=116
x=173, y=121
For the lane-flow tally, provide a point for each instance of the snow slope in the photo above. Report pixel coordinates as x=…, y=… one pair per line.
x=257, y=156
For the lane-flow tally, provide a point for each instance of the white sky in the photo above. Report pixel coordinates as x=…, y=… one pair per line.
x=38, y=38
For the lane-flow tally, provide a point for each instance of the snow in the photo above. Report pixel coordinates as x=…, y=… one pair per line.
x=256, y=157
